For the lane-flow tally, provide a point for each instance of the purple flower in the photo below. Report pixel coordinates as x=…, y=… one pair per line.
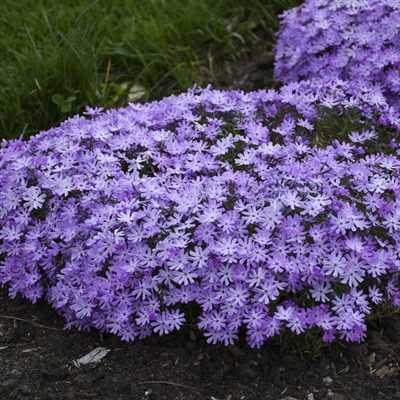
x=237, y=295
x=268, y=290
x=375, y=294
x=272, y=326
x=320, y=291
x=162, y=324
x=352, y=274
x=334, y=264
x=82, y=306
x=33, y=198
x=225, y=202
x=319, y=40
x=297, y=323
x=228, y=337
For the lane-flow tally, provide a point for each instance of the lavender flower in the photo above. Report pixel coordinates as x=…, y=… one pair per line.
x=225, y=200
x=351, y=40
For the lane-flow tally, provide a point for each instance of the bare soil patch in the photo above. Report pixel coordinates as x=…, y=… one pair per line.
x=38, y=361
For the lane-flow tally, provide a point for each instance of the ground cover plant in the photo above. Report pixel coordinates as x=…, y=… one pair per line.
x=61, y=57
x=262, y=213
x=213, y=208
x=352, y=40
x=308, y=174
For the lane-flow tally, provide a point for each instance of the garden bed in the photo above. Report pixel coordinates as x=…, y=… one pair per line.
x=39, y=357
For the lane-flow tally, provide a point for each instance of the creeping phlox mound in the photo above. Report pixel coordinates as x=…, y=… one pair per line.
x=354, y=40
x=220, y=203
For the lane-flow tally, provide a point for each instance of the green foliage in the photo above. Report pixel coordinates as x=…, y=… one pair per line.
x=58, y=57
x=382, y=311
x=64, y=105
x=308, y=345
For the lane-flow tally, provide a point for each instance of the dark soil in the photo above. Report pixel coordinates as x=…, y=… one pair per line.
x=38, y=361
x=38, y=358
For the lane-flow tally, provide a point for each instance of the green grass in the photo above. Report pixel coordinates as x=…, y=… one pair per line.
x=58, y=57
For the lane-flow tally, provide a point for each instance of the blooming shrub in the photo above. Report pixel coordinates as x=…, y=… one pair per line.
x=352, y=40
x=222, y=202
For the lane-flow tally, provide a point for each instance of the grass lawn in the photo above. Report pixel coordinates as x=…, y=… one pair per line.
x=58, y=57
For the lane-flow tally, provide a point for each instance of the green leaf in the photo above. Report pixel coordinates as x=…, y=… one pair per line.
x=70, y=99
x=57, y=99
x=66, y=107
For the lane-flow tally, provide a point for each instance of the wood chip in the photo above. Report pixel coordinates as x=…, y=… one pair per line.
x=236, y=352
x=94, y=356
x=386, y=371
x=30, y=350
x=369, y=361
x=376, y=342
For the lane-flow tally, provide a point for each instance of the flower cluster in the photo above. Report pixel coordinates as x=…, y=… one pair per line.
x=353, y=40
x=219, y=201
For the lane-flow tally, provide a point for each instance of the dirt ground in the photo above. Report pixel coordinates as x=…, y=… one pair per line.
x=39, y=358
x=39, y=361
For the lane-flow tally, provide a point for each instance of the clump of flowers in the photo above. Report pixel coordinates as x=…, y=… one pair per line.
x=221, y=201
x=353, y=40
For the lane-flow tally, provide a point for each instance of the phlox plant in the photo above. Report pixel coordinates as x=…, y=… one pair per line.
x=221, y=202
x=352, y=40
